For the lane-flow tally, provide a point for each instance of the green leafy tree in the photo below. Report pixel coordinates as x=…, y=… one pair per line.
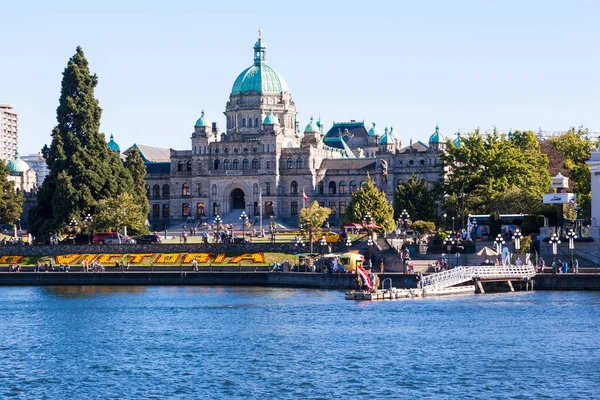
x=369, y=199
x=312, y=217
x=514, y=201
x=575, y=145
x=82, y=170
x=115, y=213
x=417, y=198
x=137, y=169
x=423, y=226
x=11, y=201
x=485, y=166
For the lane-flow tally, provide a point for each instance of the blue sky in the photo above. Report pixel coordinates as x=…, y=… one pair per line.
x=410, y=65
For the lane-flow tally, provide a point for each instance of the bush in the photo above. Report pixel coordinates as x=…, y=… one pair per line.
x=423, y=226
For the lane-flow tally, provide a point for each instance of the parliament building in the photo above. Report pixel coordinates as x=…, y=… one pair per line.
x=263, y=162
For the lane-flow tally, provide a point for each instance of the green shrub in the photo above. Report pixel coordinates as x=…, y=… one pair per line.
x=423, y=226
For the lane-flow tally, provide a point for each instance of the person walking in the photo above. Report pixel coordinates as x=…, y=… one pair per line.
x=419, y=279
x=576, y=266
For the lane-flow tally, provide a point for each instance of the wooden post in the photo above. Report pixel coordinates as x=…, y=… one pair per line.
x=510, y=285
x=480, y=286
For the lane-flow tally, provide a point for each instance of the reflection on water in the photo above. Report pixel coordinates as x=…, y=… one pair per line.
x=86, y=291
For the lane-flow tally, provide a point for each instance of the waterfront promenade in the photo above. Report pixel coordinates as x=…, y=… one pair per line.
x=185, y=277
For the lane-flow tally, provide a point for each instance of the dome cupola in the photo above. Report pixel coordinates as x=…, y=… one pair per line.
x=312, y=127
x=112, y=145
x=436, y=137
x=202, y=121
x=259, y=78
x=457, y=141
x=17, y=165
x=374, y=131
x=271, y=119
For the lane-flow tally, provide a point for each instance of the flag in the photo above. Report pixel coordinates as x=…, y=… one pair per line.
x=304, y=196
x=365, y=277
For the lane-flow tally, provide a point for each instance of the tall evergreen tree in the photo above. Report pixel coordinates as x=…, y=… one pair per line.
x=369, y=199
x=137, y=169
x=11, y=202
x=82, y=170
x=417, y=198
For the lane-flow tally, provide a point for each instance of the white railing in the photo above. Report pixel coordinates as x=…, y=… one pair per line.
x=503, y=271
x=448, y=278
x=461, y=274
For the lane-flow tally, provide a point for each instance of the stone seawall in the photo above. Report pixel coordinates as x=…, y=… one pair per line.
x=567, y=282
x=229, y=248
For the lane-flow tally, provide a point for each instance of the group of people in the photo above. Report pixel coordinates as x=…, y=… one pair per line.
x=50, y=267
x=559, y=266
x=363, y=286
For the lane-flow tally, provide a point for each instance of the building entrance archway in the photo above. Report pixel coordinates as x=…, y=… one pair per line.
x=238, y=201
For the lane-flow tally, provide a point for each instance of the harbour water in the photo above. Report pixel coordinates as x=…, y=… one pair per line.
x=197, y=342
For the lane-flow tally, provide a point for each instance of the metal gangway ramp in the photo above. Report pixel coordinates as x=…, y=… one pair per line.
x=448, y=278
x=489, y=273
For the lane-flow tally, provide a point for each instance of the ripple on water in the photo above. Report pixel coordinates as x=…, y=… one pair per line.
x=272, y=343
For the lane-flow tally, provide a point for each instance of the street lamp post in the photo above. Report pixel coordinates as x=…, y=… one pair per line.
x=449, y=244
x=445, y=221
x=517, y=236
x=73, y=225
x=298, y=244
x=370, y=244
x=452, y=225
x=322, y=245
x=272, y=229
x=218, y=221
x=405, y=216
x=554, y=241
x=499, y=243
x=572, y=236
x=244, y=217
x=88, y=224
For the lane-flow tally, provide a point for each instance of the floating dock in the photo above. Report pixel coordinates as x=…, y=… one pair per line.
x=396, y=294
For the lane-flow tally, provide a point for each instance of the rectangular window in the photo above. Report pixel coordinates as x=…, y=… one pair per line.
x=294, y=207
x=199, y=189
x=342, y=207
x=156, y=210
x=185, y=209
x=332, y=207
x=268, y=189
x=165, y=210
x=268, y=164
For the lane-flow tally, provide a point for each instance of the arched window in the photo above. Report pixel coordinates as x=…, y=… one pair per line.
x=363, y=183
x=244, y=122
x=256, y=121
x=217, y=164
x=185, y=189
x=290, y=163
x=214, y=190
x=180, y=166
x=188, y=167
x=294, y=187
x=236, y=163
x=156, y=191
x=255, y=163
x=166, y=191
x=332, y=187
x=342, y=188
x=255, y=189
x=245, y=163
x=250, y=122
x=299, y=163
x=147, y=191
x=352, y=186
x=226, y=164
x=268, y=188
x=320, y=188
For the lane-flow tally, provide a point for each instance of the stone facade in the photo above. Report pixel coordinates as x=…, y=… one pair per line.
x=263, y=159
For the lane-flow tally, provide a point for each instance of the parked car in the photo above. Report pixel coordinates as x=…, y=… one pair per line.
x=331, y=237
x=151, y=238
x=112, y=238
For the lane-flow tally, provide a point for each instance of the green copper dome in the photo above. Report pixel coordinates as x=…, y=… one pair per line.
x=388, y=137
x=374, y=131
x=259, y=78
x=312, y=127
x=457, y=140
x=17, y=165
x=203, y=121
x=112, y=145
x=436, y=137
x=271, y=119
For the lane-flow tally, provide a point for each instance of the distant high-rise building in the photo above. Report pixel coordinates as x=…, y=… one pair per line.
x=38, y=163
x=8, y=131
